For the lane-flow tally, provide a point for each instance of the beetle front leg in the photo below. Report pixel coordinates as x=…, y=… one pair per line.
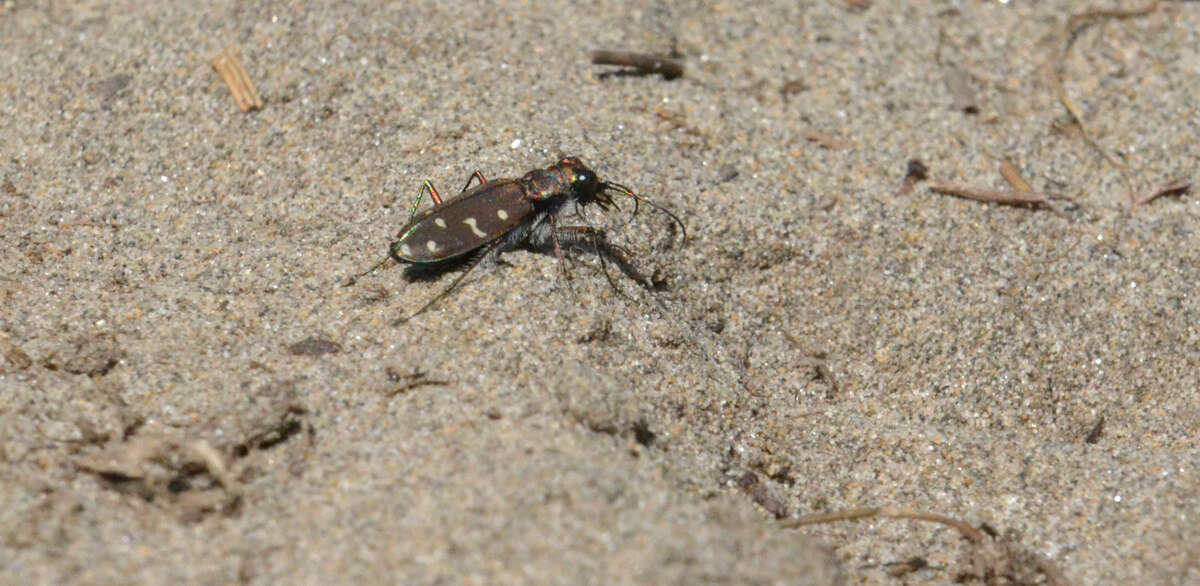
x=574, y=236
x=558, y=253
x=491, y=250
x=558, y=250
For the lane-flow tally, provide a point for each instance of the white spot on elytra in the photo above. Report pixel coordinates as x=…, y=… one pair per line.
x=440, y=222
x=405, y=250
x=503, y=215
x=471, y=222
x=432, y=246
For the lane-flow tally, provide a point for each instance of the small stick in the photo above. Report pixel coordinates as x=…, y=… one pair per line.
x=824, y=139
x=412, y=381
x=1176, y=187
x=972, y=534
x=794, y=86
x=229, y=66
x=1013, y=176
x=1097, y=430
x=678, y=122
x=1004, y=197
x=640, y=63
x=1078, y=21
x=975, y=536
x=1074, y=24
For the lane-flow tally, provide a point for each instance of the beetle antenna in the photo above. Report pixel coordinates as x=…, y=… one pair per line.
x=626, y=191
x=637, y=199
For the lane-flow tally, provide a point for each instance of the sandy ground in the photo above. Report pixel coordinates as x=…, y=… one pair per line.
x=189, y=391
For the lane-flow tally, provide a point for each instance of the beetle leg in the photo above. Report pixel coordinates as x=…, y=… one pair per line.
x=433, y=194
x=355, y=278
x=437, y=197
x=573, y=236
x=476, y=175
x=558, y=251
x=453, y=284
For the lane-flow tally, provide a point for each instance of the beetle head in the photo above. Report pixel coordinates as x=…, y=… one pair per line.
x=585, y=184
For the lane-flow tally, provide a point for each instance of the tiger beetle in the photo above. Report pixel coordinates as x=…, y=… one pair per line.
x=500, y=215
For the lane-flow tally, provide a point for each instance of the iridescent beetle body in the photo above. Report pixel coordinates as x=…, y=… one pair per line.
x=509, y=209
x=495, y=216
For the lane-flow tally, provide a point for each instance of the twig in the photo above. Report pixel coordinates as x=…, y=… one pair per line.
x=1074, y=24
x=1093, y=435
x=972, y=534
x=1004, y=197
x=678, y=122
x=234, y=74
x=1012, y=175
x=794, y=86
x=976, y=536
x=824, y=139
x=1175, y=187
x=640, y=63
x=411, y=381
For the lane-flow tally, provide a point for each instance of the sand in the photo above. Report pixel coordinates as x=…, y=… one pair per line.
x=193, y=391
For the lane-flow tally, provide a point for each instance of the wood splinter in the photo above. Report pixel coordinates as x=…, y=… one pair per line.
x=1012, y=175
x=1176, y=187
x=229, y=66
x=639, y=63
x=1012, y=197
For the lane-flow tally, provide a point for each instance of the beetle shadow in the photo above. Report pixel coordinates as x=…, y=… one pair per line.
x=605, y=251
x=434, y=271
x=571, y=244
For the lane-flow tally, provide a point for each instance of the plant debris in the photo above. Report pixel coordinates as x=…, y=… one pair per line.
x=990, y=559
x=230, y=68
x=640, y=64
x=1010, y=197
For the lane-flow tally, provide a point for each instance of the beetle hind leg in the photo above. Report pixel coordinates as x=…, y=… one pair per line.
x=433, y=194
x=437, y=197
x=491, y=250
x=352, y=280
